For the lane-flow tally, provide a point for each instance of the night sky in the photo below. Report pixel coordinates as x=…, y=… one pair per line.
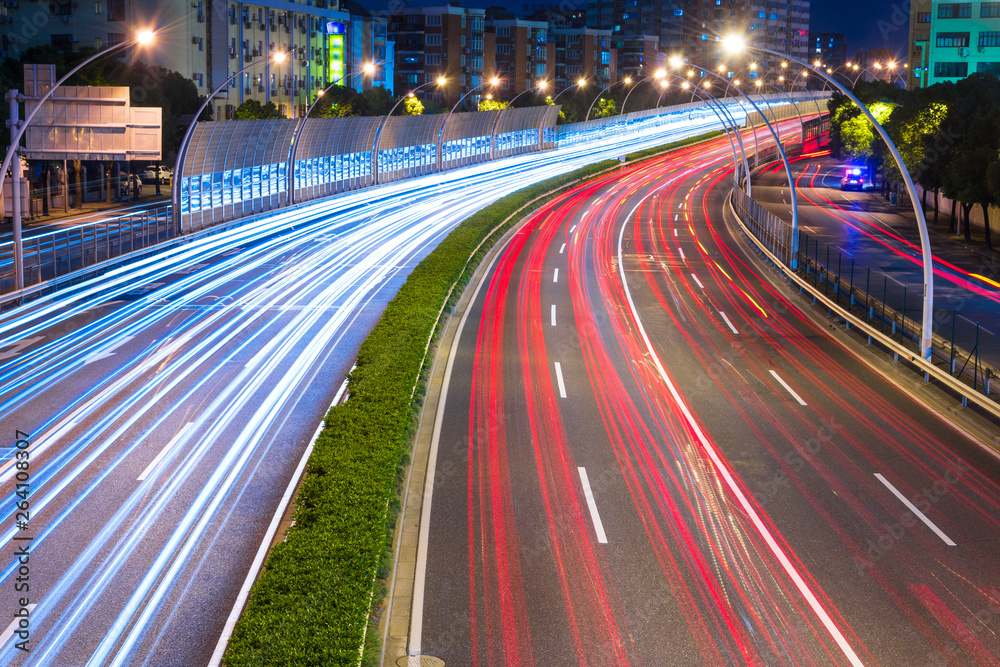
x=865, y=22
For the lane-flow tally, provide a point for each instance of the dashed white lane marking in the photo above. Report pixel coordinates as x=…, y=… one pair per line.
x=697, y=281
x=598, y=526
x=555, y=276
x=789, y=389
x=163, y=452
x=553, y=314
x=728, y=323
x=910, y=506
x=9, y=632
x=562, y=248
x=559, y=379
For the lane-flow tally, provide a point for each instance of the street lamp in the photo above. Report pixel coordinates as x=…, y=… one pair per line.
x=495, y=81
x=367, y=68
x=542, y=85
x=142, y=38
x=627, y=80
x=175, y=195
x=440, y=81
x=736, y=43
x=788, y=171
x=581, y=82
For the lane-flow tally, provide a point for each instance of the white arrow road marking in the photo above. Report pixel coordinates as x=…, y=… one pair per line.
x=18, y=346
x=108, y=351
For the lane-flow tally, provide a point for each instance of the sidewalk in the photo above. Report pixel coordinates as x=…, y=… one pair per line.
x=90, y=211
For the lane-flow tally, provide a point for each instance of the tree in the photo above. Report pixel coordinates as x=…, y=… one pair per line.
x=254, y=110
x=378, y=99
x=491, y=105
x=340, y=101
x=606, y=108
x=412, y=107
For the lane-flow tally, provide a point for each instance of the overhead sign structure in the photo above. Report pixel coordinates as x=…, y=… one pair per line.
x=88, y=122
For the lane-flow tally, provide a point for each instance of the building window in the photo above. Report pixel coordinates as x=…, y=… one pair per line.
x=989, y=38
x=503, y=32
x=98, y=7
x=989, y=10
x=988, y=68
x=954, y=10
x=433, y=40
x=951, y=70
x=98, y=43
x=503, y=49
x=952, y=39
x=116, y=10
x=432, y=19
x=923, y=17
x=432, y=59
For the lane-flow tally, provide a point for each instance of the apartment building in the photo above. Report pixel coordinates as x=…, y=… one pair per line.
x=953, y=40
x=693, y=29
x=209, y=41
x=830, y=48
x=523, y=57
x=582, y=53
x=446, y=41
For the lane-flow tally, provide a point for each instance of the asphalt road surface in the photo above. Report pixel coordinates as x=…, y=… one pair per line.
x=649, y=456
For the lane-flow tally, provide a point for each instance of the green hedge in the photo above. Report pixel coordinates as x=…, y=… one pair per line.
x=313, y=598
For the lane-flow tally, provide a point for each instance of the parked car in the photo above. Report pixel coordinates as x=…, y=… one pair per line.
x=161, y=174
x=129, y=185
x=853, y=179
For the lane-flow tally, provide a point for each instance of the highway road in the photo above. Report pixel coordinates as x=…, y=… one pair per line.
x=649, y=456
x=861, y=228
x=167, y=403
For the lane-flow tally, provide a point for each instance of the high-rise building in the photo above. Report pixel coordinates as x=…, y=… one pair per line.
x=951, y=40
x=830, y=48
x=693, y=29
x=522, y=54
x=583, y=53
x=447, y=41
x=209, y=41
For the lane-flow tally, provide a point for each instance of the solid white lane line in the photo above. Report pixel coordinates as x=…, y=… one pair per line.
x=681, y=251
x=559, y=379
x=734, y=487
x=697, y=281
x=555, y=276
x=163, y=452
x=571, y=229
x=598, y=526
x=553, y=314
x=562, y=248
x=910, y=506
x=9, y=632
x=789, y=389
x=730, y=324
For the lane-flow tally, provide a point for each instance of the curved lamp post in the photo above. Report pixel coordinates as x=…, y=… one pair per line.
x=579, y=84
x=440, y=81
x=734, y=43
x=175, y=195
x=788, y=170
x=18, y=128
x=440, y=143
x=367, y=68
x=496, y=123
x=656, y=76
x=627, y=80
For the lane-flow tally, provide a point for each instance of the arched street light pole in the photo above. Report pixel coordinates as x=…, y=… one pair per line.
x=627, y=80
x=440, y=81
x=927, y=324
x=542, y=85
x=175, y=195
x=656, y=76
x=293, y=153
x=444, y=123
x=784, y=160
x=580, y=83
x=18, y=128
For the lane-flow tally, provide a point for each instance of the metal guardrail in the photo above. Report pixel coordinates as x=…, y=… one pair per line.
x=955, y=365
x=52, y=254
